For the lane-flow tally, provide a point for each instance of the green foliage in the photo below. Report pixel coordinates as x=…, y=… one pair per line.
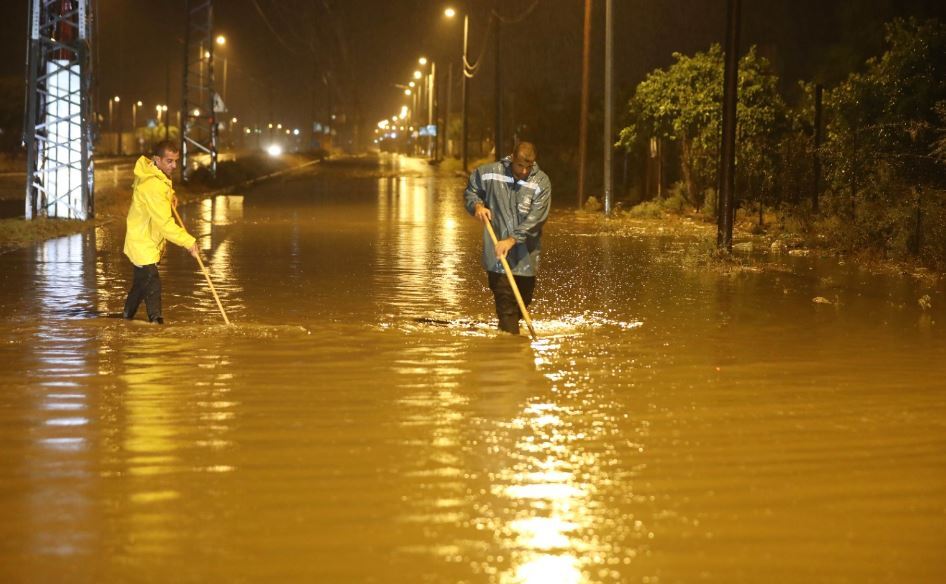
x=881, y=142
x=683, y=103
x=647, y=210
x=883, y=153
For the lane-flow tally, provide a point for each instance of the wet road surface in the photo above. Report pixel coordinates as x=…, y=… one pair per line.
x=362, y=422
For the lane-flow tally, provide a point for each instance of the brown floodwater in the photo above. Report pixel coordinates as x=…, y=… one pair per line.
x=362, y=422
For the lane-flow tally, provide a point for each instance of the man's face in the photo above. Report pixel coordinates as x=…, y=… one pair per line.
x=167, y=162
x=522, y=164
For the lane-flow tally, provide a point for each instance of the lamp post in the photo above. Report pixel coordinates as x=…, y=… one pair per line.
x=134, y=114
x=157, y=115
x=118, y=101
x=163, y=109
x=134, y=117
x=450, y=13
x=222, y=41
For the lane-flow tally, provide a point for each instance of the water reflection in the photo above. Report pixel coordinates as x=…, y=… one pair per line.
x=56, y=377
x=214, y=213
x=171, y=430
x=550, y=502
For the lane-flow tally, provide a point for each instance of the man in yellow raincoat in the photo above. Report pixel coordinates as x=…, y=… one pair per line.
x=150, y=225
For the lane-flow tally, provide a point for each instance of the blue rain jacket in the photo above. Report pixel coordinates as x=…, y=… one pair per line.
x=519, y=209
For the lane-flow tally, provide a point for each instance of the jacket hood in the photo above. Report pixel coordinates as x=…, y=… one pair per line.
x=145, y=169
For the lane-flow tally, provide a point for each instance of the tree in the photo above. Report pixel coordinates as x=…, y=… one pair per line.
x=881, y=139
x=683, y=104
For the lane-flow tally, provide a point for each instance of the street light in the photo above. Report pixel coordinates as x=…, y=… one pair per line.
x=117, y=100
x=450, y=13
x=422, y=60
x=134, y=114
x=221, y=41
x=158, y=110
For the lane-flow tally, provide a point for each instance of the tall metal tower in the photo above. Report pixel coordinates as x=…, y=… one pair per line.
x=59, y=117
x=198, y=116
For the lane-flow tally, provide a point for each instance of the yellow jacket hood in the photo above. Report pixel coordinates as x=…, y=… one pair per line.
x=145, y=169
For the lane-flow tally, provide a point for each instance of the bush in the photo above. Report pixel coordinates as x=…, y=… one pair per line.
x=647, y=210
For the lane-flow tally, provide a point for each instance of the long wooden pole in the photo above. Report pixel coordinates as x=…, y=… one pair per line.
x=200, y=262
x=583, y=116
x=512, y=283
x=608, y=109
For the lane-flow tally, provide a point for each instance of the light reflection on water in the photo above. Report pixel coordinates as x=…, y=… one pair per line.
x=362, y=421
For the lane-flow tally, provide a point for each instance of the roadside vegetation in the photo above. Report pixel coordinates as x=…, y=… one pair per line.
x=881, y=189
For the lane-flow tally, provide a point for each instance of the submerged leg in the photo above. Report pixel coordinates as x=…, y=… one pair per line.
x=507, y=309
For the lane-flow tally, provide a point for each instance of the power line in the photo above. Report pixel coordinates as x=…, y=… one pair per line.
x=271, y=29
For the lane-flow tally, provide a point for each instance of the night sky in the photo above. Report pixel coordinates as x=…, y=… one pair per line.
x=367, y=46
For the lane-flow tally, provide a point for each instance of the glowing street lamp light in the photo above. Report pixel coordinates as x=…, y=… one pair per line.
x=417, y=74
x=221, y=40
x=407, y=92
x=449, y=12
x=422, y=60
x=134, y=114
x=111, y=121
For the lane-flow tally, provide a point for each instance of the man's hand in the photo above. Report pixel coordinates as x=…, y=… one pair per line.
x=482, y=214
x=503, y=246
x=194, y=250
x=174, y=201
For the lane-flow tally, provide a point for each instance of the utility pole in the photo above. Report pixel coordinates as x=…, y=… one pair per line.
x=608, y=90
x=583, y=120
x=498, y=122
x=728, y=150
x=121, y=127
x=465, y=94
x=437, y=124
x=446, y=121
x=167, y=96
x=816, y=191
x=431, y=89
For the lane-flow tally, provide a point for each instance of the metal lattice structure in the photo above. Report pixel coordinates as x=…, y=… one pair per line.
x=58, y=125
x=198, y=118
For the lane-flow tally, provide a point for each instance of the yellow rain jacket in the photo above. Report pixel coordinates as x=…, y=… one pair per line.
x=150, y=222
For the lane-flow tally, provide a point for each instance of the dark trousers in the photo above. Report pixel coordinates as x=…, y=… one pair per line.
x=507, y=309
x=146, y=285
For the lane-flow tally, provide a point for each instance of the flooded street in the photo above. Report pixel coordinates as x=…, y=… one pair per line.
x=363, y=422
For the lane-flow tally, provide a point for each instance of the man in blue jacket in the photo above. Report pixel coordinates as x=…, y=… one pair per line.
x=515, y=196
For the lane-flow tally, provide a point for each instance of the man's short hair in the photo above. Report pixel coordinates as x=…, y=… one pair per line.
x=163, y=147
x=525, y=149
